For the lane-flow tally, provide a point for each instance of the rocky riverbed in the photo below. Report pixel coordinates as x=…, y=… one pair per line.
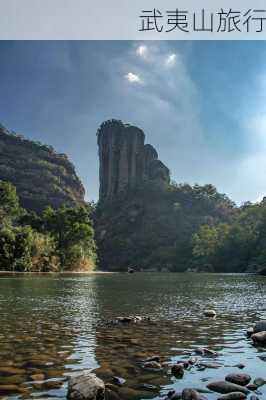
x=55, y=328
x=154, y=372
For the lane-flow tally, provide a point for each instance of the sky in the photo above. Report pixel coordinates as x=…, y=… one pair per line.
x=201, y=104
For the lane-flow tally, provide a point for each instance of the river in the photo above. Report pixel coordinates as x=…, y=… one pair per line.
x=54, y=326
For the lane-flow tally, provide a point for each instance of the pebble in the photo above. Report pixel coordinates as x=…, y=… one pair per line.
x=252, y=387
x=206, y=352
x=133, y=341
x=225, y=387
x=193, y=360
x=171, y=392
x=239, y=379
x=240, y=366
x=86, y=386
x=174, y=395
x=177, y=370
x=184, y=363
x=38, y=377
x=125, y=319
x=152, y=358
x=209, y=365
x=191, y=394
x=148, y=386
x=118, y=381
x=259, y=338
x=152, y=366
x=210, y=352
x=210, y=313
x=259, y=382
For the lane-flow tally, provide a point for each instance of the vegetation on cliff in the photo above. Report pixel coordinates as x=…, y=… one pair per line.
x=237, y=246
x=41, y=175
x=151, y=227
x=180, y=227
x=57, y=240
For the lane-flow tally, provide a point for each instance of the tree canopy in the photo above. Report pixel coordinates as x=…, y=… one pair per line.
x=56, y=240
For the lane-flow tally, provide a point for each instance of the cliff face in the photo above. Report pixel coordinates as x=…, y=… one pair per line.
x=125, y=160
x=42, y=176
x=142, y=219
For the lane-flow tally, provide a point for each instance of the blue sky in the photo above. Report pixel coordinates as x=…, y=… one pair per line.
x=201, y=104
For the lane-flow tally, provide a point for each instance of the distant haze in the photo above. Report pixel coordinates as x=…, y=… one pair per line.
x=201, y=104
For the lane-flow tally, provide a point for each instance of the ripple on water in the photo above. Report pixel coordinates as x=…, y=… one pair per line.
x=53, y=327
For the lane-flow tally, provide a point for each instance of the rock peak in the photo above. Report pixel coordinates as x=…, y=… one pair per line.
x=125, y=160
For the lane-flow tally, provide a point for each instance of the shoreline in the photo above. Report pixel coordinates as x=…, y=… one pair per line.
x=56, y=273
x=11, y=273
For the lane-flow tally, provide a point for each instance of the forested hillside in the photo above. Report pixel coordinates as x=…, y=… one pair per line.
x=41, y=175
x=151, y=227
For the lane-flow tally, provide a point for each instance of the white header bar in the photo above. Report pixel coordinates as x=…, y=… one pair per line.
x=132, y=20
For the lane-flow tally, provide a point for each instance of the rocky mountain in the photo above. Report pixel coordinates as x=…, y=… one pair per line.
x=125, y=160
x=144, y=220
x=42, y=176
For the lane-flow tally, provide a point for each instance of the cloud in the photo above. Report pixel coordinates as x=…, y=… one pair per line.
x=142, y=51
x=167, y=105
x=132, y=78
x=170, y=60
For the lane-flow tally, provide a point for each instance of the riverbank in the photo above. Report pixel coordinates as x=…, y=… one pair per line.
x=57, y=273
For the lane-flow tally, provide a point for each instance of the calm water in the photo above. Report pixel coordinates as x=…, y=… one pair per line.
x=54, y=326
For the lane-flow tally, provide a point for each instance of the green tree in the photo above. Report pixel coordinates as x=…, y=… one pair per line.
x=16, y=244
x=7, y=247
x=73, y=232
x=208, y=243
x=43, y=253
x=9, y=203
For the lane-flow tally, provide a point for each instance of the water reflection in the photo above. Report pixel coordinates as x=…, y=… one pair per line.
x=55, y=326
x=44, y=325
